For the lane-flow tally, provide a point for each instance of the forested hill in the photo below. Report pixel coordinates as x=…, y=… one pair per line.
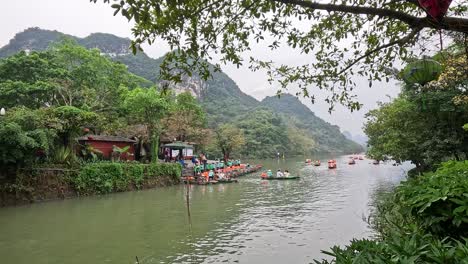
x=326, y=136
x=220, y=96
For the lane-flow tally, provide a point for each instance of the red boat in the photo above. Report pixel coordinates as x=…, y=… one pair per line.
x=332, y=164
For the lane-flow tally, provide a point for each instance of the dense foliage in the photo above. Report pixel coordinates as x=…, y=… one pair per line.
x=424, y=124
x=106, y=177
x=23, y=135
x=265, y=134
x=186, y=120
x=147, y=107
x=424, y=220
x=228, y=139
x=54, y=96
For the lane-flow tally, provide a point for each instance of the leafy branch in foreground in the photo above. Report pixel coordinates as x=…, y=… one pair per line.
x=343, y=39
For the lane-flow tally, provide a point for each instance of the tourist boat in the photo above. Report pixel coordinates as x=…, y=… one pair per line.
x=361, y=158
x=206, y=182
x=332, y=164
x=317, y=163
x=351, y=162
x=375, y=162
x=308, y=161
x=227, y=181
x=281, y=178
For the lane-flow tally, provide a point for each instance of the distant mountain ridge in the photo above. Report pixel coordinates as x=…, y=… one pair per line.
x=221, y=98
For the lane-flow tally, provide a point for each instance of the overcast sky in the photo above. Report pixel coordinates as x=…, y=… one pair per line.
x=80, y=18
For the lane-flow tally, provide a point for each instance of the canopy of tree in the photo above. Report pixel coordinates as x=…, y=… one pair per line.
x=425, y=123
x=343, y=39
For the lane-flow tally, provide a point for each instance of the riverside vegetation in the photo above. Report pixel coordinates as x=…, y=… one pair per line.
x=424, y=219
x=56, y=95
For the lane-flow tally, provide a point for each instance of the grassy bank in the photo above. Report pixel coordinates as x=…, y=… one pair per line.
x=424, y=220
x=41, y=184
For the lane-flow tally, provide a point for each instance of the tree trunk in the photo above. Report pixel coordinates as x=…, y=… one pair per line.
x=154, y=148
x=226, y=155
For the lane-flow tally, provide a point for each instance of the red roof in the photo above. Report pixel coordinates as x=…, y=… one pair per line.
x=105, y=138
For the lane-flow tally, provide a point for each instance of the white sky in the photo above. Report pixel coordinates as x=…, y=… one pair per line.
x=81, y=18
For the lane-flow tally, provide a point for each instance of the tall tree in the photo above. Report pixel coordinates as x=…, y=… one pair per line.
x=342, y=38
x=64, y=75
x=186, y=120
x=229, y=138
x=148, y=107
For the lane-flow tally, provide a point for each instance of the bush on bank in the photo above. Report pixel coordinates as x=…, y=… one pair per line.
x=424, y=220
x=107, y=177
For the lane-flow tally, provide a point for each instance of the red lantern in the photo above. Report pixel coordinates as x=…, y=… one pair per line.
x=435, y=8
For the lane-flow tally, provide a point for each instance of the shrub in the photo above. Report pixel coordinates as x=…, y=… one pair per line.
x=173, y=170
x=438, y=201
x=412, y=248
x=106, y=177
x=135, y=173
x=102, y=177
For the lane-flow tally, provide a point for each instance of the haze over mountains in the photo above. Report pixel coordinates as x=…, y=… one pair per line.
x=220, y=96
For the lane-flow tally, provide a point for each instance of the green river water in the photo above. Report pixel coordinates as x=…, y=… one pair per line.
x=253, y=221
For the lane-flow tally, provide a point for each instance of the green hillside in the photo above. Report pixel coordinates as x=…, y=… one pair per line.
x=297, y=131
x=327, y=136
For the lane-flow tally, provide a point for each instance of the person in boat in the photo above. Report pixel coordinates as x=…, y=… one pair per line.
x=221, y=175
x=211, y=175
x=286, y=173
x=195, y=169
x=279, y=174
x=269, y=173
x=264, y=175
x=203, y=160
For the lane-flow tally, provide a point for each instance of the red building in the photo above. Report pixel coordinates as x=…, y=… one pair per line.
x=106, y=144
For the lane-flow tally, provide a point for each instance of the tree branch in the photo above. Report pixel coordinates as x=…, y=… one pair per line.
x=400, y=42
x=449, y=23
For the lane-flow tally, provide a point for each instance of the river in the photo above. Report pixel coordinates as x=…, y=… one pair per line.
x=253, y=221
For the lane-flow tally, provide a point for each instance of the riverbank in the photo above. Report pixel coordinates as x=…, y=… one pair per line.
x=46, y=184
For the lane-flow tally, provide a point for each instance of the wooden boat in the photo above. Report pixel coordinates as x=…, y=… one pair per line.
x=375, y=162
x=207, y=182
x=351, y=162
x=317, y=163
x=361, y=158
x=227, y=181
x=281, y=178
